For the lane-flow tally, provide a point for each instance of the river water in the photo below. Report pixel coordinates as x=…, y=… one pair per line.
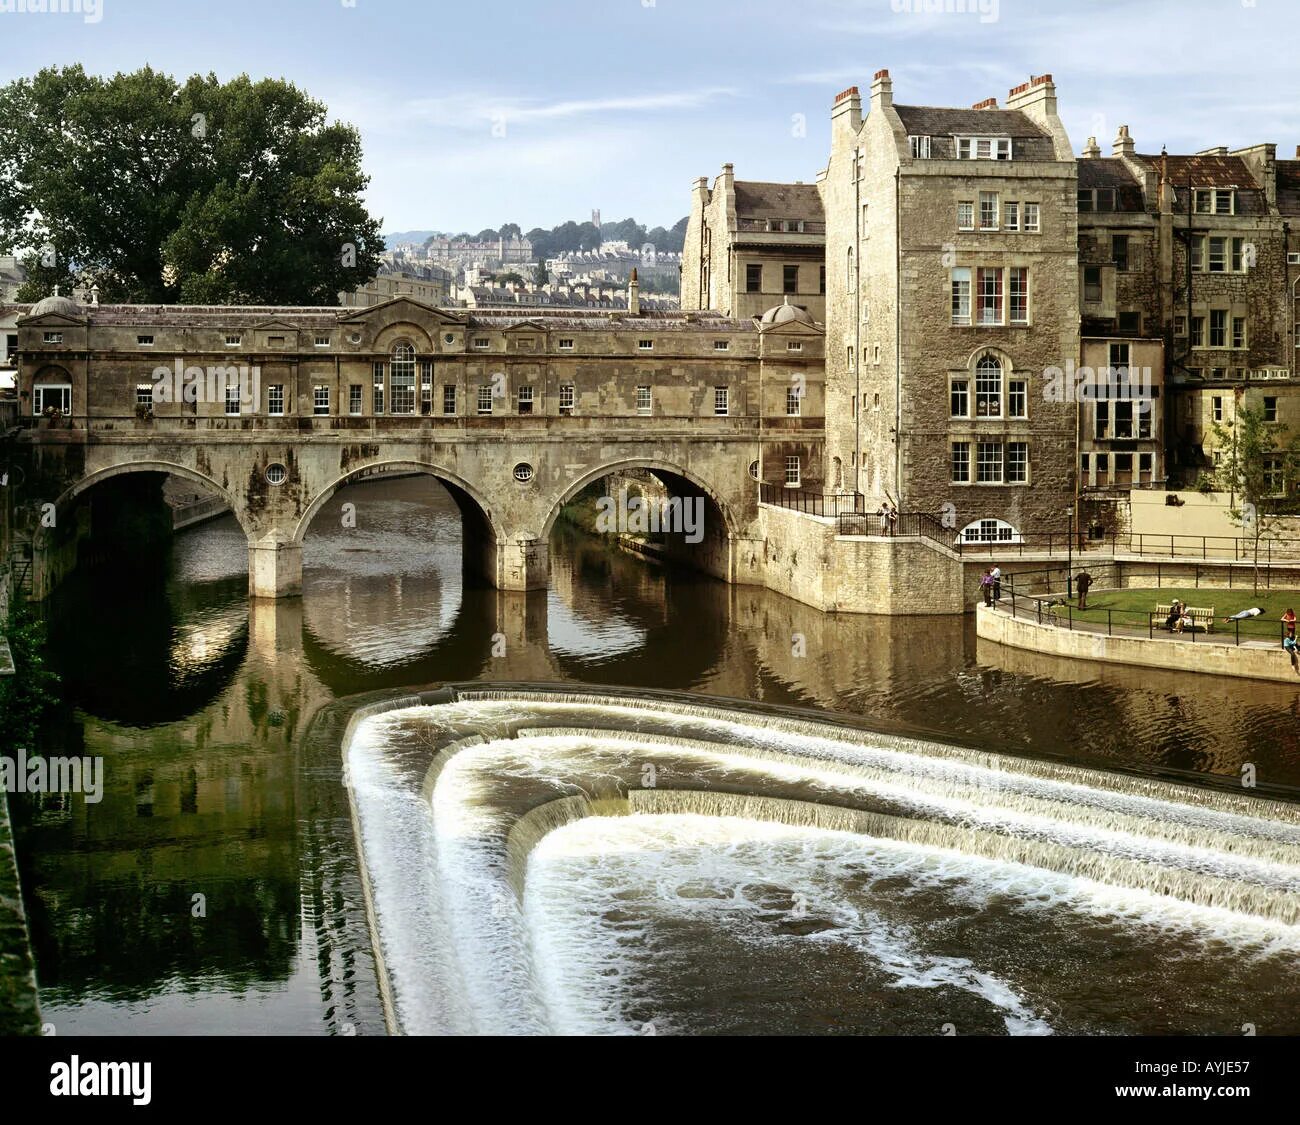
x=217, y=886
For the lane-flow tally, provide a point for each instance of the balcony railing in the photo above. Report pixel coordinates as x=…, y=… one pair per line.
x=826, y=504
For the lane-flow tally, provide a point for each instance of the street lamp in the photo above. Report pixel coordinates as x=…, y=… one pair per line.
x=1069, y=555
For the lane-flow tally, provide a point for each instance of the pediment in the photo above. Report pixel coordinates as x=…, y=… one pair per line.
x=277, y=326
x=52, y=320
x=531, y=325
x=402, y=308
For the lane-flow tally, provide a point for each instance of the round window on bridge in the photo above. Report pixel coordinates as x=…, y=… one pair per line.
x=753, y=469
x=523, y=472
x=276, y=474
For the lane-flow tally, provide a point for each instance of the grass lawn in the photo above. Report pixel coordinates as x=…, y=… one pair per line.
x=1131, y=607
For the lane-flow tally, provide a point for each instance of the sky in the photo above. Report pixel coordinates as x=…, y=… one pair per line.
x=538, y=111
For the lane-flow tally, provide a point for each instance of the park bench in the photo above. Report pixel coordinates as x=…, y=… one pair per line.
x=1202, y=618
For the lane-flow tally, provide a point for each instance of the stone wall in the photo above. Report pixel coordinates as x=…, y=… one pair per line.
x=1250, y=661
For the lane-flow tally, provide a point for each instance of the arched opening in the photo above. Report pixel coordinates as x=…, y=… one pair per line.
x=654, y=510
x=389, y=554
x=634, y=549
x=148, y=568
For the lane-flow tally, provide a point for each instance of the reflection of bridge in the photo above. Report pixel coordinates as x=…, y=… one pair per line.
x=514, y=412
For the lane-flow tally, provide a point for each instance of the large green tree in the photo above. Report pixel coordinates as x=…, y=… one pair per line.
x=239, y=192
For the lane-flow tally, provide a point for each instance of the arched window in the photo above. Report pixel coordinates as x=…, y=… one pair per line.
x=850, y=274
x=988, y=387
x=989, y=531
x=839, y=473
x=401, y=380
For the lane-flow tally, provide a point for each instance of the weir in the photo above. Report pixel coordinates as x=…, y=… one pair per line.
x=507, y=780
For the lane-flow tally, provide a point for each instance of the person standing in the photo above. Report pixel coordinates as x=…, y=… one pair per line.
x=996, y=574
x=1083, y=582
x=986, y=586
x=1288, y=619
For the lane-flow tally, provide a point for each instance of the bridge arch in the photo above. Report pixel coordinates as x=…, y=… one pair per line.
x=572, y=489
x=99, y=476
x=461, y=492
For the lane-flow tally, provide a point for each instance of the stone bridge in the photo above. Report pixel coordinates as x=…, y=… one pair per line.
x=515, y=413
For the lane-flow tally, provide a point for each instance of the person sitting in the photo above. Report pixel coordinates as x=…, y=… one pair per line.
x=1288, y=619
x=1175, y=616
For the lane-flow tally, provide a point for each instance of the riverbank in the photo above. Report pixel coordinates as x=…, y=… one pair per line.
x=19, y=1012
x=1254, y=660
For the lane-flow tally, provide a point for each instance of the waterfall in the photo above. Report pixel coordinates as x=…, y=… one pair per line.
x=478, y=780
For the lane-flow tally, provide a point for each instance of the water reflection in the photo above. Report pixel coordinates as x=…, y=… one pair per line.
x=198, y=701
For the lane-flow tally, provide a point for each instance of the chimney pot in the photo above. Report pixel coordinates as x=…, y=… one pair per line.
x=882, y=74
x=987, y=103
x=851, y=92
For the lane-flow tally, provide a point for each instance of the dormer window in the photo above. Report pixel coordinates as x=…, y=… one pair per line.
x=1096, y=199
x=1214, y=201
x=983, y=148
x=920, y=147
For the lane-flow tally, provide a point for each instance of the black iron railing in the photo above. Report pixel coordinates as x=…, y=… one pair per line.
x=810, y=503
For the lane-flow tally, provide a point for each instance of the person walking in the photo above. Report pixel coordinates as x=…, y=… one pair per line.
x=997, y=583
x=986, y=586
x=1083, y=582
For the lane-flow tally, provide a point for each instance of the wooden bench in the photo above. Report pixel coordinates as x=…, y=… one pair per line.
x=1202, y=618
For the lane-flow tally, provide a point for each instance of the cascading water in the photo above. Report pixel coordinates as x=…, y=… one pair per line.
x=546, y=862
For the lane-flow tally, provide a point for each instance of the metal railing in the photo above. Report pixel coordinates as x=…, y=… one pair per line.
x=811, y=503
x=1058, y=612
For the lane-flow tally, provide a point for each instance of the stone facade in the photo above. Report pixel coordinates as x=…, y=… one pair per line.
x=952, y=290
x=1195, y=251
x=751, y=245
x=513, y=411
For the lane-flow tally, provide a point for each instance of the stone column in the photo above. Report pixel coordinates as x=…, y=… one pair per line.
x=523, y=564
x=274, y=566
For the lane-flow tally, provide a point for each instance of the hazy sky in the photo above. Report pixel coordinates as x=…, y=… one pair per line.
x=536, y=111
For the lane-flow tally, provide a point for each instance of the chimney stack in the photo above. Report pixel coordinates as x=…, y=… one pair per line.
x=634, y=295
x=847, y=111
x=1123, y=145
x=1092, y=150
x=987, y=103
x=882, y=89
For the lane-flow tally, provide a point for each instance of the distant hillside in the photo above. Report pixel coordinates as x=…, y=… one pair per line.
x=416, y=236
x=565, y=237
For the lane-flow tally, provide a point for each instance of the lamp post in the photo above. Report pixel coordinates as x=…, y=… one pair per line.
x=1069, y=555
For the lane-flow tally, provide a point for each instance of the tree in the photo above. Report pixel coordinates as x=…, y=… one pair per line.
x=1259, y=459
x=510, y=230
x=488, y=235
x=236, y=192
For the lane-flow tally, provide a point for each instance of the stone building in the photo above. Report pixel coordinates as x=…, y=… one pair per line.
x=1195, y=251
x=430, y=284
x=750, y=246
x=951, y=253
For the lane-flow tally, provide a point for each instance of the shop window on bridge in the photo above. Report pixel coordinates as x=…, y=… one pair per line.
x=52, y=396
x=401, y=380
x=989, y=531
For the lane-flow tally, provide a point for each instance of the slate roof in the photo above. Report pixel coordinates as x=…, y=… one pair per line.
x=755, y=200
x=1203, y=171
x=1107, y=172
x=1288, y=187
x=1029, y=140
